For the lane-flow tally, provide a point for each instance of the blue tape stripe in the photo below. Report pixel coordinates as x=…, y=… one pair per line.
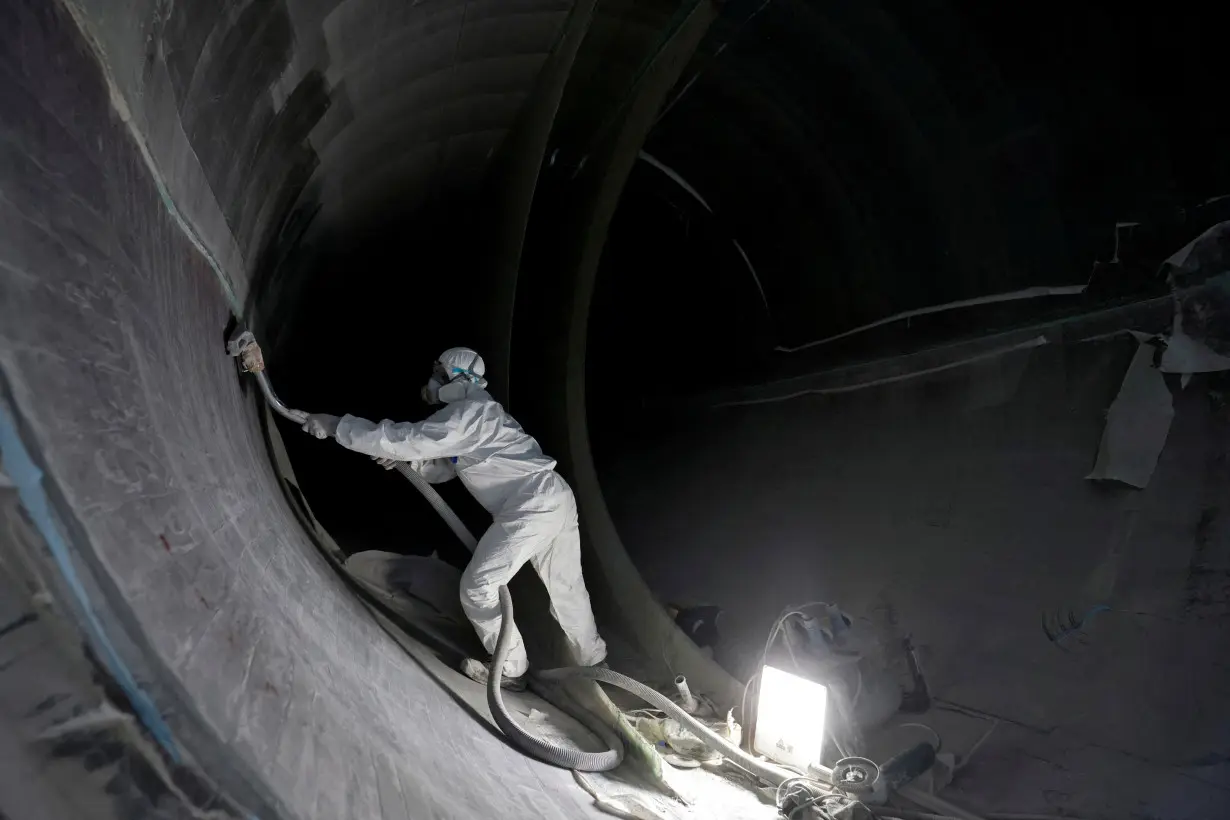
x=28, y=479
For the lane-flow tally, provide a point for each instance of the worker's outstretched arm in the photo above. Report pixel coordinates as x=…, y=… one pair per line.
x=454, y=430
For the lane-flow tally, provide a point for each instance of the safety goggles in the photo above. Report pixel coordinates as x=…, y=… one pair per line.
x=444, y=374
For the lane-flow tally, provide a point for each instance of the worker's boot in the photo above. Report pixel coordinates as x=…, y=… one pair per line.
x=480, y=672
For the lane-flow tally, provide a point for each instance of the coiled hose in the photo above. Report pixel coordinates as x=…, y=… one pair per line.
x=536, y=746
x=600, y=761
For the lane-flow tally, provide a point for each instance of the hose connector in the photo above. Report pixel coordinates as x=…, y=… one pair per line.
x=245, y=348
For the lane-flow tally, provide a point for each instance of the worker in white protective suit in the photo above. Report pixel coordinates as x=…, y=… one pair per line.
x=474, y=438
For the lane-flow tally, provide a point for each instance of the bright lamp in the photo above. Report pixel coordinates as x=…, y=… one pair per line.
x=790, y=718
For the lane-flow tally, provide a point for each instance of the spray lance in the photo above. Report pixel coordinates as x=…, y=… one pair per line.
x=243, y=346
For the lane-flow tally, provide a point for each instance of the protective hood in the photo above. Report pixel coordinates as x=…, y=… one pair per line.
x=457, y=372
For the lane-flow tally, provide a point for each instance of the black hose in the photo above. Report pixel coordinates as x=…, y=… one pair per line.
x=601, y=761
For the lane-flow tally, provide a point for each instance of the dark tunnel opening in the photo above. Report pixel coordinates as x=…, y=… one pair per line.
x=366, y=184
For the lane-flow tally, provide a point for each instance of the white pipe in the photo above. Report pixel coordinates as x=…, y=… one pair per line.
x=850, y=388
x=271, y=398
x=686, y=699
x=1026, y=293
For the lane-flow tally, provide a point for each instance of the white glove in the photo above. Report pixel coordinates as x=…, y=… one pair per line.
x=322, y=425
x=386, y=463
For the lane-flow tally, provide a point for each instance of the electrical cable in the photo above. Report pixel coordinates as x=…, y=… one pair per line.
x=778, y=626
x=743, y=700
x=809, y=804
x=845, y=800
x=965, y=758
x=841, y=749
x=777, y=801
x=793, y=787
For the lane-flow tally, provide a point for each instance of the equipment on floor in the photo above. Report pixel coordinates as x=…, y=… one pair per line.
x=700, y=623
x=601, y=761
x=790, y=715
x=854, y=785
x=856, y=776
x=874, y=783
x=904, y=768
x=675, y=743
x=686, y=699
x=826, y=795
x=818, y=642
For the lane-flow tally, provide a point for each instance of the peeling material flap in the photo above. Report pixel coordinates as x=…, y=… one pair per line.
x=1136, y=424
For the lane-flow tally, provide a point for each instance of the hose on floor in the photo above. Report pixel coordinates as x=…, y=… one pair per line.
x=601, y=761
x=536, y=746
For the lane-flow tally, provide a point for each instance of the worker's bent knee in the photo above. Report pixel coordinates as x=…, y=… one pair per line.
x=476, y=595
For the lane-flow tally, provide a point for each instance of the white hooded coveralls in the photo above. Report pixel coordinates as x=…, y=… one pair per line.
x=535, y=512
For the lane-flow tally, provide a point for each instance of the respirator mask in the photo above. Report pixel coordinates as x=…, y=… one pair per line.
x=431, y=391
x=447, y=384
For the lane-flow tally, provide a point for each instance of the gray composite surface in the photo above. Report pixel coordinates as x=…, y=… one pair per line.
x=960, y=499
x=111, y=349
